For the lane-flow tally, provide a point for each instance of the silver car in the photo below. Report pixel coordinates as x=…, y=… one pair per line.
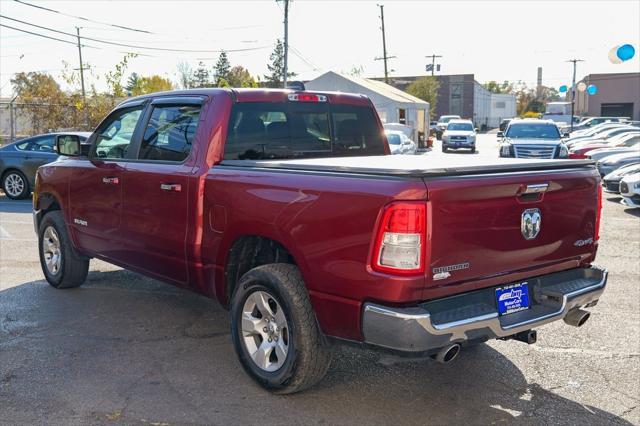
x=459, y=134
x=613, y=162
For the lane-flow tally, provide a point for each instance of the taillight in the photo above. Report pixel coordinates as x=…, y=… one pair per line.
x=306, y=97
x=598, y=213
x=401, y=239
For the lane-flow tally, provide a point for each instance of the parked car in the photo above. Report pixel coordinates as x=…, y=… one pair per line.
x=613, y=162
x=630, y=190
x=593, y=121
x=532, y=138
x=601, y=135
x=623, y=140
x=459, y=134
x=600, y=153
x=504, y=123
x=611, y=182
x=20, y=160
x=287, y=208
x=593, y=130
x=399, y=143
x=443, y=121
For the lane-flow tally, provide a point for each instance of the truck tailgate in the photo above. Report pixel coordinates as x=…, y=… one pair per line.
x=476, y=223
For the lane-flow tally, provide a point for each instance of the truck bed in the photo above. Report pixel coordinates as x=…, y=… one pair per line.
x=412, y=165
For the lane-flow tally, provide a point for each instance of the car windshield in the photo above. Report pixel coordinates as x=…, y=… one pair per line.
x=460, y=126
x=447, y=119
x=393, y=139
x=533, y=131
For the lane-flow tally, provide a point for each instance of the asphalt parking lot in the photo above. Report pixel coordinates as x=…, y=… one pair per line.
x=124, y=349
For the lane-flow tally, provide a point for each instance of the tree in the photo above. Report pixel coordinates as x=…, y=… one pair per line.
x=132, y=83
x=425, y=88
x=114, y=78
x=221, y=69
x=41, y=100
x=276, y=67
x=185, y=75
x=495, y=87
x=151, y=84
x=201, y=77
x=240, y=77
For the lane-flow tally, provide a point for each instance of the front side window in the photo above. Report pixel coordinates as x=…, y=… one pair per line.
x=169, y=133
x=394, y=139
x=301, y=130
x=44, y=144
x=114, y=136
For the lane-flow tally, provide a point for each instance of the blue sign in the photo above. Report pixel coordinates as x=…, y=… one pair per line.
x=562, y=89
x=626, y=52
x=512, y=298
x=592, y=89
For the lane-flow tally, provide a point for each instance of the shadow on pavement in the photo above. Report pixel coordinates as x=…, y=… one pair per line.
x=127, y=349
x=633, y=211
x=7, y=205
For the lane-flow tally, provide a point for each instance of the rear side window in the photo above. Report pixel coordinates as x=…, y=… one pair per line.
x=301, y=130
x=169, y=133
x=44, y=144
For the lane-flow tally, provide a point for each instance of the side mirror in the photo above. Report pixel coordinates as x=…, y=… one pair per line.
x=500, y=134
x=565, y=134
x=476, y=130
x=68, y=145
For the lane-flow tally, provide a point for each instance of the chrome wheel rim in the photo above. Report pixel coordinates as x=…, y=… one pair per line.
x=51, y=250
x=14, y=185
x=265, y=331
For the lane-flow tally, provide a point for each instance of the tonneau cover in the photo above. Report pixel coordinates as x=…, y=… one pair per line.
x=413, y=165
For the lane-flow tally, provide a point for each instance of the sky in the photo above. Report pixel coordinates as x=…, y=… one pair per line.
x=495, y=40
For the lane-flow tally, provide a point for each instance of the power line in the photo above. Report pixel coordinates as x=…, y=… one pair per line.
x=162, y=49
x=122, y=27
x=45, y=36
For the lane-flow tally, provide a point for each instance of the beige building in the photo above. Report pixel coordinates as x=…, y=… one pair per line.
x=618, y=96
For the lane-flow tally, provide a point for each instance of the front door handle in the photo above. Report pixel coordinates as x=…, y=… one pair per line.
x=171, y=187
x=110, y=180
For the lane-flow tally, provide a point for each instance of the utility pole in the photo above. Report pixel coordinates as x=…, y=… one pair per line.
x=84, y=95
x=433, y=62
x=286, y=41
x=384, y=47
x=573, y=89
x=12, y=119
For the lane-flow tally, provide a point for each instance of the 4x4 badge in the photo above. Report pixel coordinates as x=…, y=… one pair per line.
x=530, y=223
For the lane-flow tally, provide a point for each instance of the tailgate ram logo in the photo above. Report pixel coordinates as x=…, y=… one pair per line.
x=530, y=223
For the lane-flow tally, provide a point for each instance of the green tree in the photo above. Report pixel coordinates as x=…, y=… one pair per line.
x=132, y=83
x=425, y=88
x=114, y=78
x=495, y=87
x=240, y=77
x=276, y=67
x=221, y=69
x=201, y=77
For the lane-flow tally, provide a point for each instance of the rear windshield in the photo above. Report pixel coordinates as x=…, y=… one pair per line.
x=533, y=131
x=393, y=139
x=301, y=130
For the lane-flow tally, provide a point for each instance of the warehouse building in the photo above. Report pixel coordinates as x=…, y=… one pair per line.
x=462, y=95
x=392, y=105
x=618, y=95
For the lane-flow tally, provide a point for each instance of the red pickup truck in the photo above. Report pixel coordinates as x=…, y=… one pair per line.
x=286, y=207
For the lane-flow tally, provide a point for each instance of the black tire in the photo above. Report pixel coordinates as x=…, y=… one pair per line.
x=308, y=356
x=473, y=150
x=445, y=149
x=10, y=178
x=73, y=268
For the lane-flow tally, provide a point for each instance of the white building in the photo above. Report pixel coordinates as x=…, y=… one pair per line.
x=393, y=105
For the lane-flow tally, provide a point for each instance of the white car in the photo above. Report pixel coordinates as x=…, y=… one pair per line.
x=611, y=182
x=442, y=124
x=613, y=162
x=630, y=190
x=399, y=143
x=459, y=134
x=601, y=153
x=601, y=135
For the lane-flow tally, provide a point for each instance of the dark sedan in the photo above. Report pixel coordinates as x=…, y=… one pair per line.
x=20, y=160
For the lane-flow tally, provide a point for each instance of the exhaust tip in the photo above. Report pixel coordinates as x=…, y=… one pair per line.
x=577, y=317
x=448, y=354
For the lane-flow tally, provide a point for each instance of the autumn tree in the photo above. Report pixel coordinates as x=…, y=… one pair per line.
x=151, y=84
x=425, y=88
x=240, y=77
x=495, y=87
x=276, y=67
x=41, y=100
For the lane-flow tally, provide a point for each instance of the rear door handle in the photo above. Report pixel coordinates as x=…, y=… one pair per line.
x=110, y=180
x=171, y=187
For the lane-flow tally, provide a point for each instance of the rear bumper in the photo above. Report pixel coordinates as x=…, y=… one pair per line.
x=473, y=316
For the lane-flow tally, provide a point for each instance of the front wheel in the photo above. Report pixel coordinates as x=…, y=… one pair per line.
x=275, y=332
x=62, y=266
x=15, y=185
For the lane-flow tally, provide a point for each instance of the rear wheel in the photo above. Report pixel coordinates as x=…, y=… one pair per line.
x=275, y=332
x=15, y=185
x=444, y=148
x=62, y=266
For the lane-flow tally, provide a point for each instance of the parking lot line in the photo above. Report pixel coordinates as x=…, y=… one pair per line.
x=4, y=234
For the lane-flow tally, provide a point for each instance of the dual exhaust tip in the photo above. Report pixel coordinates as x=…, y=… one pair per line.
x=576, y=317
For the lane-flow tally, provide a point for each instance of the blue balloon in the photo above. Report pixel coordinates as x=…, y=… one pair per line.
x=592, y=89
x=626, y=52
x=563, y=89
